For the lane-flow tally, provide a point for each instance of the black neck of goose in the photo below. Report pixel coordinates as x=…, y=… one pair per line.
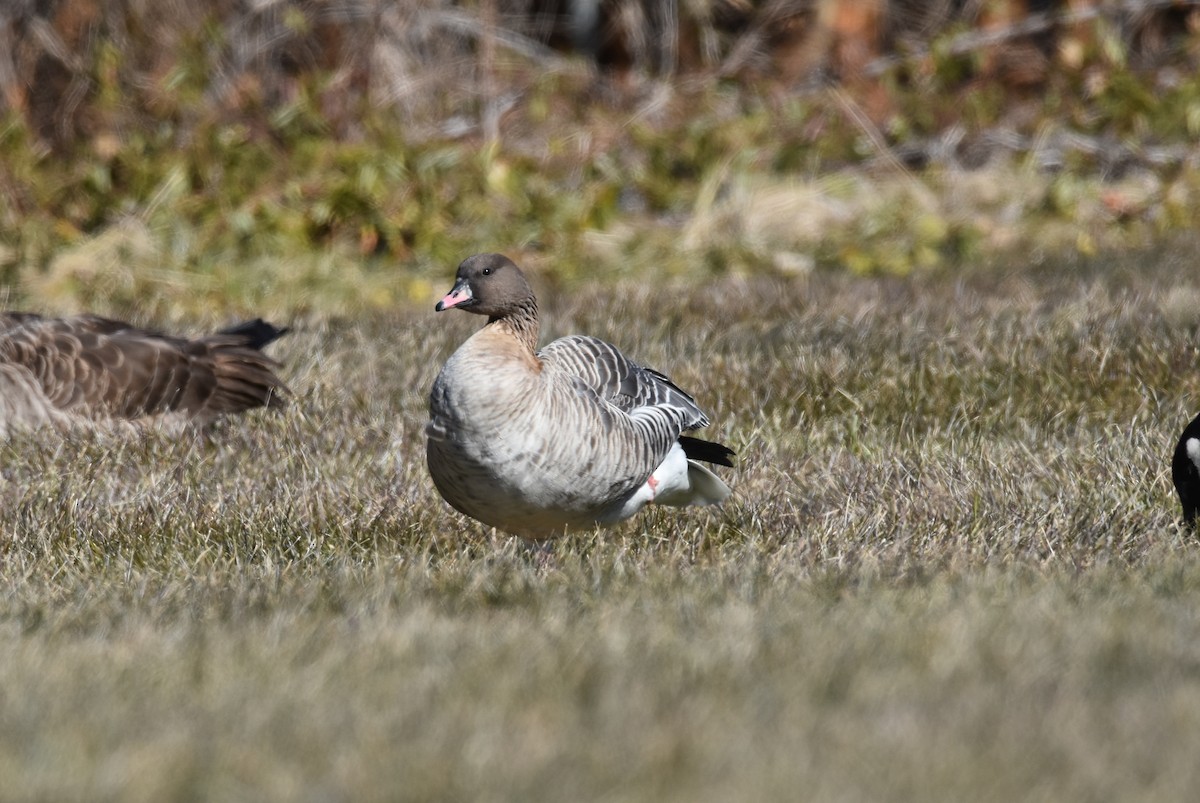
x=521, y=321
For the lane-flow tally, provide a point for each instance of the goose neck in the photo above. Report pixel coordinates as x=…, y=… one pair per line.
x=521, y=322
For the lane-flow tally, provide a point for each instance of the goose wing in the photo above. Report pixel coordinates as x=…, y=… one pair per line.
x=663, y=409
x=620, y=381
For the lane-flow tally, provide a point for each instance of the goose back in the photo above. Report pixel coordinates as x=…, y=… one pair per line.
x=87, y=369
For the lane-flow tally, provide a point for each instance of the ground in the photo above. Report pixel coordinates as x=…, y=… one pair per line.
x=952, y=567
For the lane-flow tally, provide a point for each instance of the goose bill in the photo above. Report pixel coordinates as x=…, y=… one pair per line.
x=460, y=295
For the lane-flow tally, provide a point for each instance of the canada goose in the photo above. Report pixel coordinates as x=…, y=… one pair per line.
x=1185, y=470
x=537, y=442
x=88, y=371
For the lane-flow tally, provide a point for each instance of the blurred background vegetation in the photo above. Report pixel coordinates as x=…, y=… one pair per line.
x=325, y=156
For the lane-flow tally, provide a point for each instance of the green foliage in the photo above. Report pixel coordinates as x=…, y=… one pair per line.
x=271, y=177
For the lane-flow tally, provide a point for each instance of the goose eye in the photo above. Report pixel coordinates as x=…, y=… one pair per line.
x=487, y=271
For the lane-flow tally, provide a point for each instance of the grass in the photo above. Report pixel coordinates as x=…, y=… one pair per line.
x=951, y=569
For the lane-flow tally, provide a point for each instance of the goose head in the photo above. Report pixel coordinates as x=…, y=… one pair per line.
x=1185, y=471
x=488, y=284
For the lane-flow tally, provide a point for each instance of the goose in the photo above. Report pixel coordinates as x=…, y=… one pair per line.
x=90, y=372
x=536, y=443
x=1185, y=471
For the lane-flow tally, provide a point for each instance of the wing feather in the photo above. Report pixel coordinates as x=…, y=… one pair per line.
x=658, y=408
x=620, y=381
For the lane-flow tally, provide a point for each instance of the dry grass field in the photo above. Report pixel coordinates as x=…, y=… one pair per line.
x=951, y=570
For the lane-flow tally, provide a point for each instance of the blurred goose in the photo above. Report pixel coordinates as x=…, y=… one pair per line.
x=1185, y=470
x=538, y=442
x=88, y=371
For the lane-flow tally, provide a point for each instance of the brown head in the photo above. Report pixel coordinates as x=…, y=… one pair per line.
x=491, y=285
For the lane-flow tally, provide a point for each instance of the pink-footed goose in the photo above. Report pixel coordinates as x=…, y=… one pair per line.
x=539, y=442
x=95, y=373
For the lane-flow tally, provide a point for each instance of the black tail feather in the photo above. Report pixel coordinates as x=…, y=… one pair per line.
x=258, y=333
x=708, y=451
